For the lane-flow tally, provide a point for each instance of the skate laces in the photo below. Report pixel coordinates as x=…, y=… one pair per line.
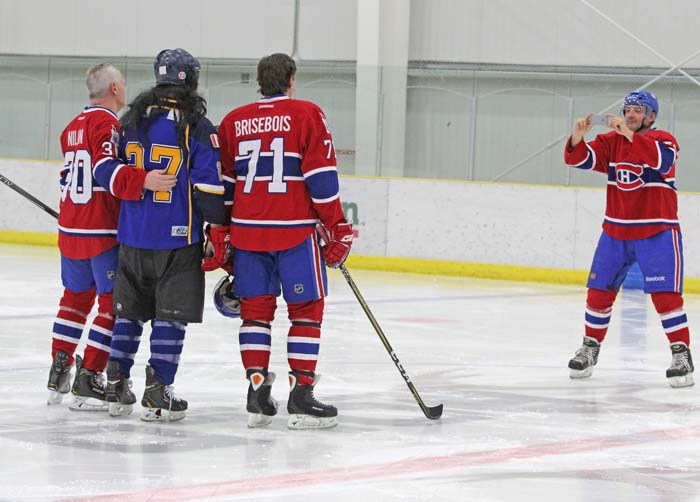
x=97, y=379
x=586, y=353
x=680, y=360
x=169, y=392
x=313, y=399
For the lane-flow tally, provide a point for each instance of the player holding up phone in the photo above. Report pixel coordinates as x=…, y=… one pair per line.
x=640, y=225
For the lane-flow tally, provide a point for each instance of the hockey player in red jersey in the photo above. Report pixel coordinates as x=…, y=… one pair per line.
x=277, y=156
x=87, y=231
x=640, y=225
x=87, y=240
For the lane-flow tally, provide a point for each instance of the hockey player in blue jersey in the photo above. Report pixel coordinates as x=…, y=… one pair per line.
x=159, y=277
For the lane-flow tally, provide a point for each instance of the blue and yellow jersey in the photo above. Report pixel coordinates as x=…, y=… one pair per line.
x=169, y=219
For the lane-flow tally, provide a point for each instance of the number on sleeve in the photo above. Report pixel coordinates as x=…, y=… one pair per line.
x=329, y=144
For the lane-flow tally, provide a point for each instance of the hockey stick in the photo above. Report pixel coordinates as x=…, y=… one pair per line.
x=431, y=412
x=28, y=196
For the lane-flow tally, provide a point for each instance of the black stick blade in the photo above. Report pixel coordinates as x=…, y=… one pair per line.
x=433, y=412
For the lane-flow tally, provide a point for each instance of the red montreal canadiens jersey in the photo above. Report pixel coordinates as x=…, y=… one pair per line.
x=277, y=157
x=87, y=220
x=641, y=195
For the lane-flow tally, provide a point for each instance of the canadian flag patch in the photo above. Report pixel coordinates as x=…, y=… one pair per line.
x=214, y=140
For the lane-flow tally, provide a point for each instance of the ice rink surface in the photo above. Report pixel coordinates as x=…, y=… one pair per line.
x=514, y=428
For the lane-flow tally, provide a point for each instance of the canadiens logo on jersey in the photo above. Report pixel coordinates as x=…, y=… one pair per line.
x=629, y=176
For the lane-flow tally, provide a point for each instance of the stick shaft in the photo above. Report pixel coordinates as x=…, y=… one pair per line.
x=28, y=196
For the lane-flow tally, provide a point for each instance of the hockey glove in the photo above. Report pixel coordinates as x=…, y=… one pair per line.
x=217, y=249
x=338, y=240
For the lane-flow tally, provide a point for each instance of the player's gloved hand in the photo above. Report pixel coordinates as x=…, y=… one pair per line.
x=338, y=240
x=217, y=249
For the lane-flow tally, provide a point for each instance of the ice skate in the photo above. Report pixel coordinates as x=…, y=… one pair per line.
x=261, y=405
x=680, y=373
x=88, y=389
x=59, y=378
x=305, y=412
x=159, y=401
x=585, y=359
x=118, y=392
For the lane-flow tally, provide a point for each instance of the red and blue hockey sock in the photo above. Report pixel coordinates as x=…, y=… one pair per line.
x=669, y=305
x=303, y=343
x=70, y=321
x=167, y=339
x=100, y=335
x=304, y=338
x=255, y=333
x=598, y=313
x=255, y=339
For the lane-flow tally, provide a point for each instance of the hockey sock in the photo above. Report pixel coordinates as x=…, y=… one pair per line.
x=303, y=342
x=125, y=343
x=100, y=335
x=255, y=339
x=70, y=321
x=598, y=312
x=673, y=319
x=167, y=339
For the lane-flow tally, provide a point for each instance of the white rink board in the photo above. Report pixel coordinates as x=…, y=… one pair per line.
x=491, y=223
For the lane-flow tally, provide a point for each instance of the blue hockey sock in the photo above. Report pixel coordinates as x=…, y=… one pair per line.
x=125, y=343
x=166, y=346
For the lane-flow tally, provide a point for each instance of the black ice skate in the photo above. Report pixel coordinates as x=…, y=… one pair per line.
x=88, y=389
x=159, y=401
x=680, y=373
x=118, y=392
x=305, y=412
x=59, y=378
x=261, y=405
x=586, y=357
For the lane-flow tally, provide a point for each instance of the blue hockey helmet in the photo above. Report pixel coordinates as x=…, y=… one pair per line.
x=642, y=98
x=176, y=67
x=225, y=299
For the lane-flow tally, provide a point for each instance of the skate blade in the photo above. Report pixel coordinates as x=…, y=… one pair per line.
x=120, y=410
x=301, y=422
x=681, y=381
x=54, y=398
x=82, y=403
x=258, y=420
x=161, y=415
x=581, y=373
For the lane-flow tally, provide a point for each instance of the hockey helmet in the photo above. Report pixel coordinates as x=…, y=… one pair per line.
x=642, y=98
x=225, y=299
x=176, y=67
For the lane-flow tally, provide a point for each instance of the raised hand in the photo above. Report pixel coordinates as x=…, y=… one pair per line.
x=619, y=125
x=581, y=127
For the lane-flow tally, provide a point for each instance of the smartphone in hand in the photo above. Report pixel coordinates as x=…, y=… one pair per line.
x=600, y=120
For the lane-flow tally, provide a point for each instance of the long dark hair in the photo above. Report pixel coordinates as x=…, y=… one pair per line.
x=184, y=98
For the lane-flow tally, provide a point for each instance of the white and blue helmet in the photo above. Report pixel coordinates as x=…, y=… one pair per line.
x=642, y=98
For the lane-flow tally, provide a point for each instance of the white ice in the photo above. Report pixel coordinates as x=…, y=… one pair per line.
x=514, y=428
